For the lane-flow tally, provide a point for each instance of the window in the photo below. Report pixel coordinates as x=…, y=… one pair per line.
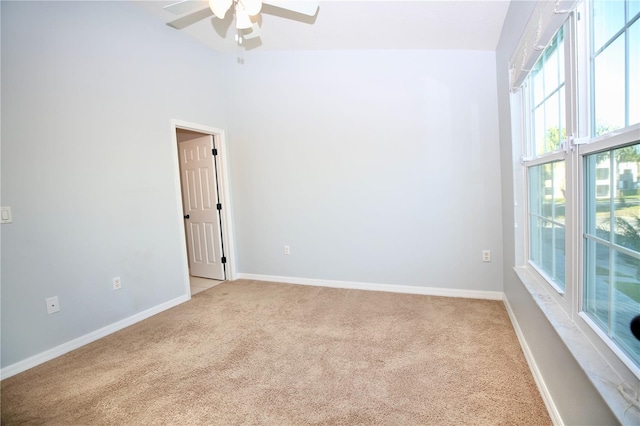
x=580, y=121
x=547, y=96
x=545, y=88
x=612, y=245
x=615, y=62
x=611, y=222
x=546, y=220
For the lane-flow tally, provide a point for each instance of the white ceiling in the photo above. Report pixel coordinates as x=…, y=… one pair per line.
x=360, y=24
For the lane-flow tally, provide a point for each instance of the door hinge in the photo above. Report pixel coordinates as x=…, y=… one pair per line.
x=214, y=151
x=219, y=206
x=223, y=260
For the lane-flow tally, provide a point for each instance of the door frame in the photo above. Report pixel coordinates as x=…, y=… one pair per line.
x=224, y=189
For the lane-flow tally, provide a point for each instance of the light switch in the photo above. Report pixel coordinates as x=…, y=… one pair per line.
x=6, y=215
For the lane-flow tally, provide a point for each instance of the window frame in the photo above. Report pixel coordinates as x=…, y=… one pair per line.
x=580, y=142
x=592, y=144
x=563, y=297
x=606, y=142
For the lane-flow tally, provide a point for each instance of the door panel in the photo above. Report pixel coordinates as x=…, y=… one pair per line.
x=199, y=202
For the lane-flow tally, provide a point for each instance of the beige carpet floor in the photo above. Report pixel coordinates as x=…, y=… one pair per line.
x=248, y=352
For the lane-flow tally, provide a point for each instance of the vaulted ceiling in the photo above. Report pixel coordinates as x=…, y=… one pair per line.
x=425, y=24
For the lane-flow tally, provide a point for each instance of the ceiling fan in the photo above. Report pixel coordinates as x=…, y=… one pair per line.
x=245, y=12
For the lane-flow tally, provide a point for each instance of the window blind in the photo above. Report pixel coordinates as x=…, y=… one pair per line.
x=546, y=19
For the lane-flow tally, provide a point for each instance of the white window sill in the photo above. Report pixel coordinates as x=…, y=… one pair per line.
x=599, y=372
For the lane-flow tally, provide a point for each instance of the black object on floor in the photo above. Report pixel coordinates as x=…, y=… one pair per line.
x=635, y=327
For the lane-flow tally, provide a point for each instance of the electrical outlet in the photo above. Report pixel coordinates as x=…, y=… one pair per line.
x=486, y=255
x=7, y=217
x=53, y=305
x=287, y=251
x=117, y=285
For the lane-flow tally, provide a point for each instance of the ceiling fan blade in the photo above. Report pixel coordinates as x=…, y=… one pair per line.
x=220, y=7
x=190, y=19
x=181, y=7
x=308, y=8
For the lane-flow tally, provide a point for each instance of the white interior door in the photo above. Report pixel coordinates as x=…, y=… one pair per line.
x=199, y=200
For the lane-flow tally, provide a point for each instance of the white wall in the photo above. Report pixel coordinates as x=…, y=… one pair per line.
x=88, y=91
x=574, y=397
x=374, y=166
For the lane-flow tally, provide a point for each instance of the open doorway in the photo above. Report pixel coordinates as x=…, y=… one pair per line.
x=203, y=202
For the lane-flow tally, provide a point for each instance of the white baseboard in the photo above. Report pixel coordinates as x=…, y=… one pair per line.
x=428, y=291
x=62, y=349
x=537, y=376
x=20, y=366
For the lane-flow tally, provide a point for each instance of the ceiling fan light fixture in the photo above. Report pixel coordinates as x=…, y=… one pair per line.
x=252, y=7
x=220, y=7
x=242, y=18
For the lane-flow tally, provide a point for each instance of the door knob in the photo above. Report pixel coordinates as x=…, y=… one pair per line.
x=186, y=217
